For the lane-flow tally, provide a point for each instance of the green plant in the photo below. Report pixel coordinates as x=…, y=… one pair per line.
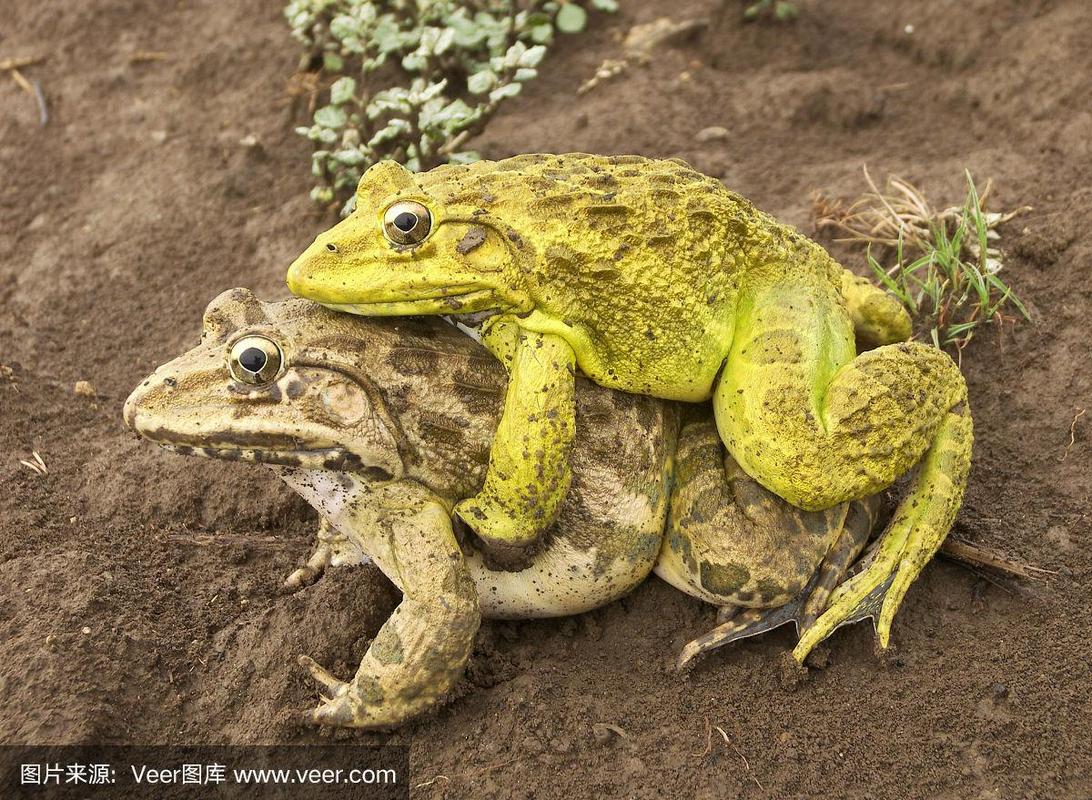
x=944, y=265
x=781, y=9
x=444, y=66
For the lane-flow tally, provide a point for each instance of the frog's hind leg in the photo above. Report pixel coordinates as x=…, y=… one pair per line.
x=819, y=425
x=803, y=610
x=733, y=543
x=861, y=521
x=915, y=533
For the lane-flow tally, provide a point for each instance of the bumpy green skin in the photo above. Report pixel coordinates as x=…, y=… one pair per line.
x=384, y=427
x=662, y=282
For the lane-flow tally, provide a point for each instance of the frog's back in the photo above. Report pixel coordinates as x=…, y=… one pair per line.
x=674, y=243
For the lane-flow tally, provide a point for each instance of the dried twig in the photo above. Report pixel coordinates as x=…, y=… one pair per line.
x=31, y=87
x=226, y=539
x=38, y=465
x=1072, y=432
x=708, y=741
x=144, y=56
x=746, y=764
x=18, y=63
x=979, y=556
x=423, y=784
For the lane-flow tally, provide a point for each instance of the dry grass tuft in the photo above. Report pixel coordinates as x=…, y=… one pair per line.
x=943, y=266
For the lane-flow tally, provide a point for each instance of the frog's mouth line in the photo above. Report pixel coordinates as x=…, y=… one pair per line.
x=452, y=303
x=331, y=458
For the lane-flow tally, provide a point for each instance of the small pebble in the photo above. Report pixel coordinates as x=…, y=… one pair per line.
x=159, y=137
x=712, y=134
x=85, y=631
x=84, y=389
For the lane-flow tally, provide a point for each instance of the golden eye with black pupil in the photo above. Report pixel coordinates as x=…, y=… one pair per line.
x=407, y=223
x=255, y=360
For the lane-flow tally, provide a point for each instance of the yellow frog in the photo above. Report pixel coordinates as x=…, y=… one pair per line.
x=652, y=278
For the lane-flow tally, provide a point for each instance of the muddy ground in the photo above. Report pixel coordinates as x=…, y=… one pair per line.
x=137, y=203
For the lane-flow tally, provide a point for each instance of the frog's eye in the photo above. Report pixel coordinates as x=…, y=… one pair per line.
x=254, y=360
x=407, y=223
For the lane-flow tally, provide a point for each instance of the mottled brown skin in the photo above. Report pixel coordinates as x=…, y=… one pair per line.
x=384, y=426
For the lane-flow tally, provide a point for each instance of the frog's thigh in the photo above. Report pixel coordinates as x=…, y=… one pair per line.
x=729, y=540
x=812, y=422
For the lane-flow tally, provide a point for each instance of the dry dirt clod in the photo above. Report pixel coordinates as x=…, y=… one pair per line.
x=606, y=732
x=791, y=674
x=84, y=389
x=643, y=39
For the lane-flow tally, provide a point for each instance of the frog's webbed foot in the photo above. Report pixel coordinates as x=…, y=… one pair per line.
x=748, y=622
x=913, y=535
x=805, y=608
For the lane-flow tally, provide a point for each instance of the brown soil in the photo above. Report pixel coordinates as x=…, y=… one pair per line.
x=137, y=203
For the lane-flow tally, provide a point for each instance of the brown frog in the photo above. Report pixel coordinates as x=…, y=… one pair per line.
x=383, y=426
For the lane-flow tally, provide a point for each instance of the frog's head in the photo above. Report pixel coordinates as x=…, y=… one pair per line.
x=414, y=246
x=275, y=383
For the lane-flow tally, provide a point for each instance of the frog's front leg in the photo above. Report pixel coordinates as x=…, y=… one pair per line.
x=331, y=548
x=818, y=425
x=421, y=650
x=529, y=472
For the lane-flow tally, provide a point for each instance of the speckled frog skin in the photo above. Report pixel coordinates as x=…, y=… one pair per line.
x=384, y=426
x=651, y=278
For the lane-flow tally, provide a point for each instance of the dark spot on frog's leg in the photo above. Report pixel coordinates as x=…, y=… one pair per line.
x=771, y=593
x=370, y=690
x=723, y=578
x=815, y=523
x=680, y=545
x=387, y=647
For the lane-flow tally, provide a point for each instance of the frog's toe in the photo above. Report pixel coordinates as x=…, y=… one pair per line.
x=302, y=577
x=335, y=711
x=338, y=708
x=745, y=624
x=866, y=595
x=319, y=560
x=320, y=674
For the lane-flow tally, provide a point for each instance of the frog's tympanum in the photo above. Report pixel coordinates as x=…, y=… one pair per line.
x=651, y=278
x=384, y=426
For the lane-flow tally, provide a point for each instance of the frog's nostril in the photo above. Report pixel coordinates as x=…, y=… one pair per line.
x=331, y=247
